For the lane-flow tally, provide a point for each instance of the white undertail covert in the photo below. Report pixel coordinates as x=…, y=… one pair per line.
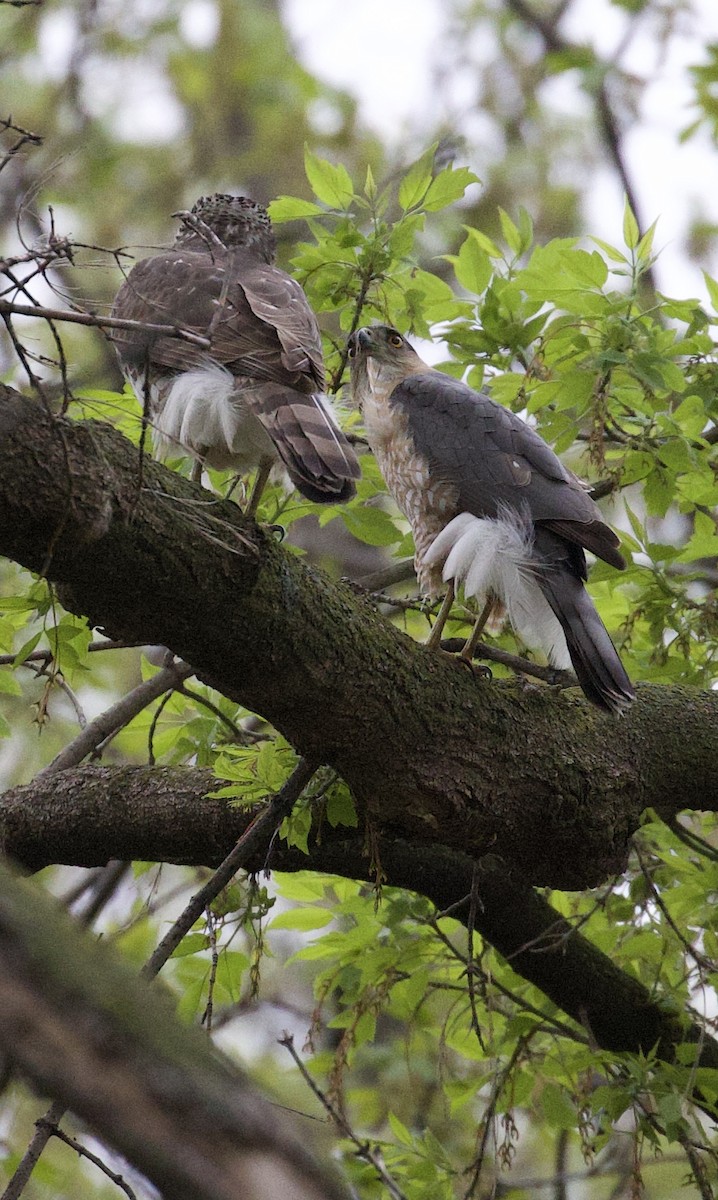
x=495, y=555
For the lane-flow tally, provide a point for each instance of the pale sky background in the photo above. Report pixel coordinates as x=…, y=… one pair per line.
x=385, y=53
x=382, y=51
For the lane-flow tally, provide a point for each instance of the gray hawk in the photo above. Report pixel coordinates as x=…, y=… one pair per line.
x=255, y=396
x=491, y=507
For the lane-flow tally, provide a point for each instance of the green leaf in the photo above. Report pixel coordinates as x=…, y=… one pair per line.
x=17, y=604
x=295, y=829
x=9, y=684
x=636, y=526
x=610, y=251
x=369, y=184
x=291, y=208
x=557, y=1107
x=631, y=232
x=415, y=183
x=512, y=235
x=371, y=524
x=675, y=454
x=27, y=649
x=712, y=288
x=448, y=187
x=472, y=265
x=691, y=416
x=400, y=1131
x=645, y=246
x=192, y=943
x=330, y=184
x=341, y=809
x=303, y=885
x=303, y=919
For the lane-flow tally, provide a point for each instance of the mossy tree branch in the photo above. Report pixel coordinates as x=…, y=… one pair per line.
x=433, y=754
x=77, y=1023
x=90, y=814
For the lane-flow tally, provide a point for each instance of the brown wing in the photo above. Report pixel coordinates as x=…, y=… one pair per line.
x=261, y=328
x=279, y=301
x=267, y=332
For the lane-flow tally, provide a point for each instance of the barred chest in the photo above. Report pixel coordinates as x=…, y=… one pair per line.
x=427, y=503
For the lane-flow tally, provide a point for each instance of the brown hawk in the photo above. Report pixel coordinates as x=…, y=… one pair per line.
x=255, y=396
x=491, y=507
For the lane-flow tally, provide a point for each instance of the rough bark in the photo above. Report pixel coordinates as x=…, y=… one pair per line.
x=86, y=816
x=78, y=1024
x=435, y=755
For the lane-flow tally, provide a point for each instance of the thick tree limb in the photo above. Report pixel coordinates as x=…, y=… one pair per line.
x=87, y=815
x=435, y=755
x=78, y=1024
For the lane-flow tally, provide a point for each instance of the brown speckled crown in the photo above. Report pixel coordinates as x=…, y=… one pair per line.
x=235, y=220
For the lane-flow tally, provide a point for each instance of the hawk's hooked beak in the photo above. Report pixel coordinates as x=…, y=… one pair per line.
x=361, y=340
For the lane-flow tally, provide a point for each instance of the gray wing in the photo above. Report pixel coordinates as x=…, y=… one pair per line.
x=495, y=460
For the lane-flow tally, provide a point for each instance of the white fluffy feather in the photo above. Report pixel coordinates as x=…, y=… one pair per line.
x=495, y=555
x=205, y=415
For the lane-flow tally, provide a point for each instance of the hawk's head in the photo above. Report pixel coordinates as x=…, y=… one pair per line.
x=380, y=358
x=229, y=221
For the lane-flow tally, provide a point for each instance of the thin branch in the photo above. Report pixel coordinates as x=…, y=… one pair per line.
x=55, y=678
x=473, y=971
x=698, y=1169
x=524, y=666
x=117, y=716
x=363, y=1149
x=259, y=833
x=44, y=1128
x=556, y=43
x=77, y=317
x=690, y=839
x=83, y=1152
x=700, y=959
x=238, y=734
x=396, y=572
x=47, y=656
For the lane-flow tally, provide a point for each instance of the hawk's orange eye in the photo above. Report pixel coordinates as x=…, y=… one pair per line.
x=396, y=339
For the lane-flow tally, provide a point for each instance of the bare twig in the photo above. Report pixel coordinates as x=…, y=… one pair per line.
x=116, y=716
x=55, y=1131
x=363, y=1149
x=47, y=656
x=77, y=317
x=396, y=572
x=555, y=42
x=473, y=971
x=524, y=666
x=259, y=833
x=44, y=1128
x=25, y=137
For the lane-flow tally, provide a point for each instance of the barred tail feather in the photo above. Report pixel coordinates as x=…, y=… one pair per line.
x=318, y=457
